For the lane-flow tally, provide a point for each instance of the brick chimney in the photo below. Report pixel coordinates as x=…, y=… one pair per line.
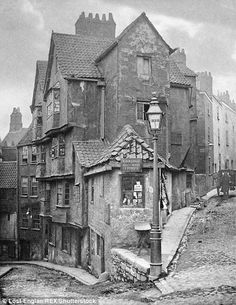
x=96, y=27
x=204, y=82
x=179, y=57
x=16, y=120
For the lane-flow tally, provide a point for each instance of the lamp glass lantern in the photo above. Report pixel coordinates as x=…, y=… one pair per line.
x=154, y=116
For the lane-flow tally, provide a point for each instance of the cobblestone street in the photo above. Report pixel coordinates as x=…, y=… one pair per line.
x=204, y=273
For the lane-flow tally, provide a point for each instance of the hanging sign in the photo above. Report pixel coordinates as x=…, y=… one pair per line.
x=131, y=165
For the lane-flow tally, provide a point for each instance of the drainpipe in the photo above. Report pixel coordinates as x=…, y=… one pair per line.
x=102, y=110
x=17, y=202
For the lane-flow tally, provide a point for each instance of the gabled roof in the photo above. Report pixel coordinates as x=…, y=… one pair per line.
x=76, y=54
x=126, y=30
x=40, y=75
x=8, y=174
x=13, y=137
x=27, y=138
x=176, y=76
x=89, y=151
x=128, y=143
x=185, y=70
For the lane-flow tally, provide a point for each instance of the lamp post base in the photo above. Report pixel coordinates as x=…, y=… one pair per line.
x=156, y=259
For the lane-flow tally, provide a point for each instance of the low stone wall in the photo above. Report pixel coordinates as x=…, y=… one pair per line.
x=128, y=267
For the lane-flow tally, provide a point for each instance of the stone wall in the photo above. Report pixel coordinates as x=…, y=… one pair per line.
x=128, y=267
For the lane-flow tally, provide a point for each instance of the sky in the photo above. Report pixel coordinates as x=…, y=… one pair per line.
x=205, y=29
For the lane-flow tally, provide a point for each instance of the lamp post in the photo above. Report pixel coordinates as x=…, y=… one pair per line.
x=155, y=115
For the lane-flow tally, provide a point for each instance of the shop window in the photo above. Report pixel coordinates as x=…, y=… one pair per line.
x=144, y=67
x=24, y=186
x=33, y=154
x=66, y=239
x=132, y=191
x=142, y=109
x=34, y=187
x=25, y=155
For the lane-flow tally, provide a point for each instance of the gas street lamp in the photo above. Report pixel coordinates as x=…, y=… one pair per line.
x=155, y=116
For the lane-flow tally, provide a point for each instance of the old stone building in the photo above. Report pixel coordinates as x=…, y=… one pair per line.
x=16, y=131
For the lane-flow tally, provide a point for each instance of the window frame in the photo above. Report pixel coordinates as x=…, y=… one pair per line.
x=33, y=187
x=144, y=66
x=26, y=185
x=25, y=155
x=66, y=240
x=143, y=118
x=136, y=177
x=33, y=154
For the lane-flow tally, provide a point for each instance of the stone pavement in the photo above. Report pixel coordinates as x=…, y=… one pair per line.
x=78, y=273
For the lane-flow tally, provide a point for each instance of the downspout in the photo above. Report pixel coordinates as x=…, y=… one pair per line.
x=17, y=203
x=102, y=118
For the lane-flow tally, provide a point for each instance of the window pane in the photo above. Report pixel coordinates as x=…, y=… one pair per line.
x=133, y=191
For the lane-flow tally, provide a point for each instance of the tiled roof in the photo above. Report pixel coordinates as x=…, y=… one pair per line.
x=13, y=137
x=176, y=76
x=27, y=138
x=42, y=69
x=76, y=54
x=185, y=70
x=8, y=174
x=89, y=151
x=92, y=153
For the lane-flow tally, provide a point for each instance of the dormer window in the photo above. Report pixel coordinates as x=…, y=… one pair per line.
x=144, y=66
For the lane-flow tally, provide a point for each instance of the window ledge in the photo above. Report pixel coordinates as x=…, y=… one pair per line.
x=24, y=196
x=62, y=206
x=24, y=228
x=36, y=229
x=33, y=196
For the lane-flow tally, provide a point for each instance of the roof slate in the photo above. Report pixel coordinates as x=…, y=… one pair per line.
x=42, y=69
x=89, y=151
x=8, y=174
x=176, y=76
x=27, y=138
x=76, y=54
x=185, y=70
x=92, y=153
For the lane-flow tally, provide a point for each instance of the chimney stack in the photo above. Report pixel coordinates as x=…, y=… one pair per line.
x=96, y=27
x=16, y=120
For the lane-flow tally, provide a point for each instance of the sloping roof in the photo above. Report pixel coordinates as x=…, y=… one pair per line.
x=42, y=69
x=176, y=76
x=92, y=153
x=89, y=151
x=27, y=138
x=126, y=30
x=76, y=54
x=13, y=137
x=8, y=174
x=185, y=70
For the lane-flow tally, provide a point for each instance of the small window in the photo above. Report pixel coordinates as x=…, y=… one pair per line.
x=59, y=194
x=67, y=193
x=36, y=220
x=56, y=101
x=66, y=239
x=144, y=67
x=33, y=154
x=142, y=109
x=92, y=190
x=176, y=138
x=132, y=191
x=227, y=138
x=25, y=155
x=61, y=145
x=24, y=185
x=34, y=187
x=189, y=180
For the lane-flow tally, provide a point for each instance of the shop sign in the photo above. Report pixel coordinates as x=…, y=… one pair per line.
x=131, y=165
